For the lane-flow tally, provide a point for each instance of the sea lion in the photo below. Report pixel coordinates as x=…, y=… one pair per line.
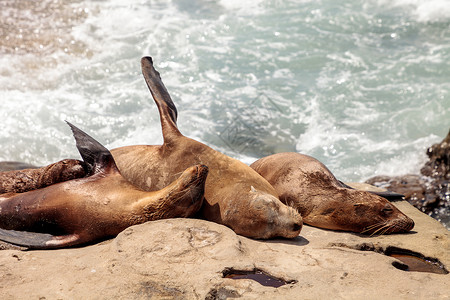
x=19, y=181
x=323, y=201
x=235, y=195
x=98, y=206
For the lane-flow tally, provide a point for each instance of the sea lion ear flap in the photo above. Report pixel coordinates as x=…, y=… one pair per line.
x=96, y=157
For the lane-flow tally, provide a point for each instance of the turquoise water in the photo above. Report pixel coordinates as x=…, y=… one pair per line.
x=364, y=86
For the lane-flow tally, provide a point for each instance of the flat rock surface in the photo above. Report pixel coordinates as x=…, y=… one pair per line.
x=185, y=259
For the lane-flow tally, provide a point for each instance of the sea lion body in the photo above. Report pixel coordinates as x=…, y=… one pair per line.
x=229, y=197
x=235, y=195
x=323, y=201
x=101, y=205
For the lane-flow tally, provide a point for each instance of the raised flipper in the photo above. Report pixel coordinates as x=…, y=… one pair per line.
x=391, y=196
x=167, y=110
x=36, y=240
x=94, y=154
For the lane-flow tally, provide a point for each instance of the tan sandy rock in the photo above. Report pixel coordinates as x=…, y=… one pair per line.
x=186, y=258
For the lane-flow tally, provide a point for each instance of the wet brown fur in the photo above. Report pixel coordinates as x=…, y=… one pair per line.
x=20, y=181
x=102, y=205
x=323, y=201
x=229, y=197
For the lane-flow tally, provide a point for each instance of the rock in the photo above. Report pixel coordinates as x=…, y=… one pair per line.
x=187, y=258
x=439, y=164
x=430, y=190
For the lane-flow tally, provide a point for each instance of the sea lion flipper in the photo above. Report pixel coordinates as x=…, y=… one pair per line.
x=345, y=185
x=94, y=154
x=37, y=240
x=391, y=196
x=167, y=110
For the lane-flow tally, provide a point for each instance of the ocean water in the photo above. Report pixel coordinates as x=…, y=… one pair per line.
x=363, y=86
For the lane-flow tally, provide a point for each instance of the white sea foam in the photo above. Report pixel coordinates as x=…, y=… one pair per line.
x=363, y=92
x=422, y=10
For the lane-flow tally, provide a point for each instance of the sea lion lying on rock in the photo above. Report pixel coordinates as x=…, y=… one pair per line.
x=235, y=195
x=100, y=205
x=323, y=201
x=19, y=181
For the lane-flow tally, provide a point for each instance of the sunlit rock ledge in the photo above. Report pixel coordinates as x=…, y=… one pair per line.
x=187, y=259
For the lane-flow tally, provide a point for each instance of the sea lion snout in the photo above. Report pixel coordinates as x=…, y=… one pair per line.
x=202, y=171
x=297, y=227
x=195, y=175
x=293, y=222
x=389, y=220
x=191, y=190
x=401, y=225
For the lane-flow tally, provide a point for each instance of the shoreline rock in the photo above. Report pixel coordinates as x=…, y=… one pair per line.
x=186, y=259
x=428, y=191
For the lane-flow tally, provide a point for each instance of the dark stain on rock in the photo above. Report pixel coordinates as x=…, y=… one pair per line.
x=257, y=275
x=407, y=260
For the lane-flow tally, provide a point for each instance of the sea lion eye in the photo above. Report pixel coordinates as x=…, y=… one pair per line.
x=387, y=209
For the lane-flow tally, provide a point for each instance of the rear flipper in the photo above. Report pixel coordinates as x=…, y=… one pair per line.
x=35, y=240
x=167, y=110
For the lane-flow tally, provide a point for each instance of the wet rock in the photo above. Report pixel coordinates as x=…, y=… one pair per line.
x=439, y=164
x=430, y=190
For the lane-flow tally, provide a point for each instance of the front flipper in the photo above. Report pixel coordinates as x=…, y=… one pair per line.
x=35, y=240
x=391, y=196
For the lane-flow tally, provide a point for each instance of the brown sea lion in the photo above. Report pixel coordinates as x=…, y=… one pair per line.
x=323, y=201
x=20, y=181
x=235, y=195
x=100, y=205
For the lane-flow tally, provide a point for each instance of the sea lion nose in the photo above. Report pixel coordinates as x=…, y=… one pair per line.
x=297, y=227
x=410, y=224
x=202, y=169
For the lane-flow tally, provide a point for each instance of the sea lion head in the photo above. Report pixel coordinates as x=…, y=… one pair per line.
x=362, y=212
x=267, y=217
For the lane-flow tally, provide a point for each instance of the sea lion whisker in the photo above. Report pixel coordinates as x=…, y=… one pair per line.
x=380, y=229
x=373, y=226
x=387, y=228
